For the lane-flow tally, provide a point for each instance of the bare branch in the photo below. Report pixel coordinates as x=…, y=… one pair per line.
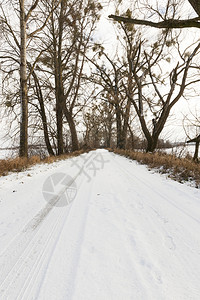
x=31, y=10
x=170, y=23
x=46, y=20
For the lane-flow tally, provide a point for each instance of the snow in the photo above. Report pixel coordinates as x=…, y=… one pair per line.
x=125, y=233
x=182, y=151
x=7, y=153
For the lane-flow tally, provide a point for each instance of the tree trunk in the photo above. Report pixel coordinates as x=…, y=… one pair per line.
x=125, y=126
x=195, y=157
x=108, y=137
x=158, y=127
x=132, y=137
x=43, y=114
x=119, y=127
x=151, y=145
x=72, y=127
x=23, y=151
x=59, y=123
x=58, y=91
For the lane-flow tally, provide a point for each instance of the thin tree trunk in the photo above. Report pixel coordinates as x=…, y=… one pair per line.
x=59, y=121
x=132, y=136
x=23, y=151
x=125, y=126
x=119, y=127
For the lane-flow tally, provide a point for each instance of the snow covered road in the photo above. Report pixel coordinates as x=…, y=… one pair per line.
x=127, y=234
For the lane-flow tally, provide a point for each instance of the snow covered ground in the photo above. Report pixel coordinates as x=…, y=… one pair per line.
x=7, y=153
x=182, y=151
x=100, y=227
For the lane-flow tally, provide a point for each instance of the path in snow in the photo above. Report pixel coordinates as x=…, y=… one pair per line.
x=128, y=234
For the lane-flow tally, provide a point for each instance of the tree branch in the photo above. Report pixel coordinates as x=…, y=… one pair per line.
x=164, y=24
x=31, y=9
x=196, y=6
x=36, y=60
x=46, y=20
x=183, y=83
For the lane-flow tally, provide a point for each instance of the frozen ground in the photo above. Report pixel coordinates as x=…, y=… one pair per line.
x=118, y=232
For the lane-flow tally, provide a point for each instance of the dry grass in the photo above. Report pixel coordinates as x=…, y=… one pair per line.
x=20, y=164
x=179, y=169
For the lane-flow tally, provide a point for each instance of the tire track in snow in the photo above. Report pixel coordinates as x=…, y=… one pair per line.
x=23, y=272
x=29, y=244
x=74, y=237
x=32, y=242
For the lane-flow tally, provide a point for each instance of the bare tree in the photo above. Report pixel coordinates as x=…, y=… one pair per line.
x=20, y=44
x=99, y=125
x=159, y=104
x=151, y=91
x=108, y=75
x=69, y=36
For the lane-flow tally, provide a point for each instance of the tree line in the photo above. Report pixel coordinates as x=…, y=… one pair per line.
x=60, y=82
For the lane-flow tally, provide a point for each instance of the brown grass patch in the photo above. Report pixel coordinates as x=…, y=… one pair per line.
x=20, y=164
x=179, y=169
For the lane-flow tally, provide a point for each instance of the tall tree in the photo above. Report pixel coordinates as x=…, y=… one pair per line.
x=152, y=95
x=19, y=43
x=70, y=33
x=166, y=19
x=23, y=151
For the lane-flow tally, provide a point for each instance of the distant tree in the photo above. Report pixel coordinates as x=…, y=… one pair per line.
x=108, y=76
x=99, y=125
